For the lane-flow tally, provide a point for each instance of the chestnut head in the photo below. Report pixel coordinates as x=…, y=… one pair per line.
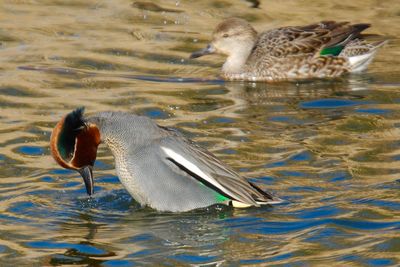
x=74, y=145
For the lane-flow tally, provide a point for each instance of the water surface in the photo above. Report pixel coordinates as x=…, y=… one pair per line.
x=331, y=149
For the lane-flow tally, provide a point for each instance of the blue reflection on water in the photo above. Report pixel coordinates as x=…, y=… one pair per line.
x=329, y=103
x=221, y=120
x=119, y=263
x=380, y=262
x=82, y=248
x=47, y=179
x=375, y=111
x=318, y=212
x=154, y=113
x=368, y=261
x=193, y=259
x=31, y=150
x=279, y=257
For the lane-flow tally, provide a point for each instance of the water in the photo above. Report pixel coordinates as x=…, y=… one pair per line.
x=331, y=149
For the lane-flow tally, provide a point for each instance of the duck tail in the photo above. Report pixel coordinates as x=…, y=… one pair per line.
x=267, y=198
x=360, y=54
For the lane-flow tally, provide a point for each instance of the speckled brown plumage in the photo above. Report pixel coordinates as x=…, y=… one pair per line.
x=320, y=50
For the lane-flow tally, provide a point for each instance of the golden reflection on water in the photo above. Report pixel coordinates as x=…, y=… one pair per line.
x=57, y=55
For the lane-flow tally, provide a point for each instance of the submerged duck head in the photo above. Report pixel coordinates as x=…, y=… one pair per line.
x=234, y=38
x=74, y=145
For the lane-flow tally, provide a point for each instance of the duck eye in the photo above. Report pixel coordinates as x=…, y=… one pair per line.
x=225, y=35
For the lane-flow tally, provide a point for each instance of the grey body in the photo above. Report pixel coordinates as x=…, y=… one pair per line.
x=142, y=166
x=154, y=179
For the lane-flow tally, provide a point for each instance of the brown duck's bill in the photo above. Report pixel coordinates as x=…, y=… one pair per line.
x=205, y=51
x=87, y=175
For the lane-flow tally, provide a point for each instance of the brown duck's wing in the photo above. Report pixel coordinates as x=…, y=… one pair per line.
x=308, y=40
x=360, y=47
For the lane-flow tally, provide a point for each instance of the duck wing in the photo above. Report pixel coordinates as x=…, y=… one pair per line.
x=320, y=38
x=210, y=171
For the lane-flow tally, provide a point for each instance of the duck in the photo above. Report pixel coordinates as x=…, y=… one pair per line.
x=158, y=166
x=326, y=49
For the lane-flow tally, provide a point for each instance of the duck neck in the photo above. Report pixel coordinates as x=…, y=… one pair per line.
x=236, y=61
x=122, y=132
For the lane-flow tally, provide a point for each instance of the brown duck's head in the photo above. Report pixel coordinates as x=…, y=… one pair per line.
x=229, y=37
x=74, y=145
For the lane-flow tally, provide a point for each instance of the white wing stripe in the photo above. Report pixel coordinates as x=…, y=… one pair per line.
x=193, y=168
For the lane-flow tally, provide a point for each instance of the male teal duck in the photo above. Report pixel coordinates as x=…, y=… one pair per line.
x=158, y=166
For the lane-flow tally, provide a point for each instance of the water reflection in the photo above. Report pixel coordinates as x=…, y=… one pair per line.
x=146, y=233
x=330, y=148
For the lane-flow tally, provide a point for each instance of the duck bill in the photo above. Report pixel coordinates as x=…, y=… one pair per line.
x=87, y=175
x=205, y=51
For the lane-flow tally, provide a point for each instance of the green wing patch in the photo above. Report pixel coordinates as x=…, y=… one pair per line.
x=331, y=51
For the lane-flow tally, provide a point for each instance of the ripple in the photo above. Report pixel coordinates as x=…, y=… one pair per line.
x=329, y=103
x=82, y=249
x=374, y=111
x=329, y=147
x=154, y=113
x=282, y=256
x=193, y=259
x=19, y=92
x=318, y=212
x=31, y=150
x=119, y=263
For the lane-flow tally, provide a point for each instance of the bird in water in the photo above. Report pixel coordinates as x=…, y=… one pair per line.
x=322, y=50
x=158, y=166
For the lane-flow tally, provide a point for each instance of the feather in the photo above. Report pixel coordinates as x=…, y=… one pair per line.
x=205, y=167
